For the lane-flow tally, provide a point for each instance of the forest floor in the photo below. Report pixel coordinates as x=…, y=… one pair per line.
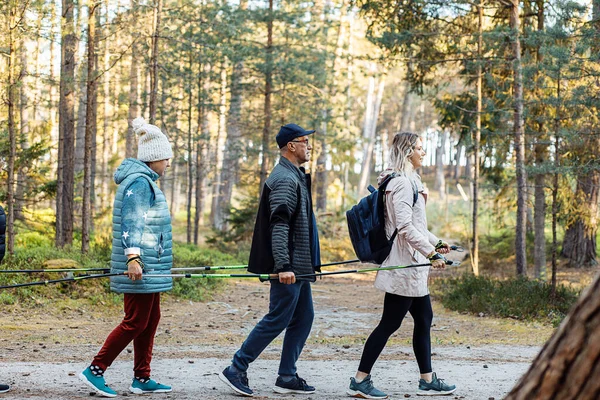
x=42, y=350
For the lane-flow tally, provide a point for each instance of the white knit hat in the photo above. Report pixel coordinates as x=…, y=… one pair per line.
x=153, y=145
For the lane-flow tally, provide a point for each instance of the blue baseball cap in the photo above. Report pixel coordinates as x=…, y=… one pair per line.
x=289, y=132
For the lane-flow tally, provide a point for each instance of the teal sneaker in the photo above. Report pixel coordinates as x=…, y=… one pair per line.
x=437, y=387
x=97, y=383
x=365, y=389
x=150, y=386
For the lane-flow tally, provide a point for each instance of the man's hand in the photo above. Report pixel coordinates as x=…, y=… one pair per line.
x=134, y=271
x=287, y=278
x=438, y=264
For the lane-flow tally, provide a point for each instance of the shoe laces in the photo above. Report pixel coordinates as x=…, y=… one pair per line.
x=302, y=382
x=244, y=379
x=439, y=383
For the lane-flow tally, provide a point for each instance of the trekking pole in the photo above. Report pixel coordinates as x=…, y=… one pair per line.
x=265, y=277
x=71, y=279
x=213, y=276
x=364, y=270
x=107, y=269
x=30, y=271
x=218, y=267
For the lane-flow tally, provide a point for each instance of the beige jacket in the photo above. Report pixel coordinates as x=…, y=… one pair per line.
x=413, y=242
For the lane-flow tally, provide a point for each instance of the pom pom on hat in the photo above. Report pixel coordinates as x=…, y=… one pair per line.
x=153, y=145
x=137, y=124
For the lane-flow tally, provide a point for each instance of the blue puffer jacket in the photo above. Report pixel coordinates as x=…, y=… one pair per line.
x=141, y=221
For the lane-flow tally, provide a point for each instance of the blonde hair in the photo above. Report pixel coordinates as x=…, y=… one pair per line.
x=403, y=147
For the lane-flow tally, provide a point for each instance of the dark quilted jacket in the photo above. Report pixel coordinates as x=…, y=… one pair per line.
x=285, y=236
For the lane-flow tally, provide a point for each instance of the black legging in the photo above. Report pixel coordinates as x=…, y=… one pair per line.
x=394, y=310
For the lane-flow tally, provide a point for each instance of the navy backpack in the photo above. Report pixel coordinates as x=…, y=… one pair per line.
x=366, y=225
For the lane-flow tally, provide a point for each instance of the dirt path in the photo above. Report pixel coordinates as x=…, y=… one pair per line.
x=42, y=350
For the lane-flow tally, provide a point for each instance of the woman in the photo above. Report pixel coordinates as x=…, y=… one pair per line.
x=405, y=289
x=141, y=243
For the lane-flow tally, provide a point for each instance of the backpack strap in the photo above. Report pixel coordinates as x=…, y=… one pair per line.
x=416, y=194
x=382, y=196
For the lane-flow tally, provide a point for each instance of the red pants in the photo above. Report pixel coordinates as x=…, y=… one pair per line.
x=142, y=314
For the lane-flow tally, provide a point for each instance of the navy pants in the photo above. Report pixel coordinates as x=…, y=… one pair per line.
x=290, y=309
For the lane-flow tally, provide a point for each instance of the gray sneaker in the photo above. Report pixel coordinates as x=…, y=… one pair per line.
x=437, y=387
x=365, y=389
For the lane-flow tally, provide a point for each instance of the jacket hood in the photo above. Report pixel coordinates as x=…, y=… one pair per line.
x=131, y=166
x=384, y=175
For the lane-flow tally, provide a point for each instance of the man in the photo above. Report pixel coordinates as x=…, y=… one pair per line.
x=285, y=242
x=3, y=388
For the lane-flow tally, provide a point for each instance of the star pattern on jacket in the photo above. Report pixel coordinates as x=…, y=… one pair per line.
x=125, y=235
x=129, y=193
x=145, y=216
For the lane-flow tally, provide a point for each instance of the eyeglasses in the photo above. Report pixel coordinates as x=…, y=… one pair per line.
x=306, y=142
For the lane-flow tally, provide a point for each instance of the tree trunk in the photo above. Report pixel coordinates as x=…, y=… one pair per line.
x=555, y=186
x=521, y=225
x=106, y=90
x=80, y=120
x=331, y=88
x=476, y=143
x=541, y=155
x=405, y=120
x=579, y=244
x=554, y=219
x=234, y=145
x=36, y=64
x=457, y=157
x=370, y=129
x=12, y=136
x=368, y=140
x=216, y=212
x=154, y=61
x=50, y=104
x=66, y=145
x=233, y=150
x=266, y=137
x=190, y=151
x=90, y=127
x=203, y=135
x=440, y=176
x=134, y=108
x=567, y=367
x=24, y=136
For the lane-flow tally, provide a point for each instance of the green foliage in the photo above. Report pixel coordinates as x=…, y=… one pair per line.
x=188, y=255
x=241, y=226
x=33, y=240
x=41, y=253
x=518, y=298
